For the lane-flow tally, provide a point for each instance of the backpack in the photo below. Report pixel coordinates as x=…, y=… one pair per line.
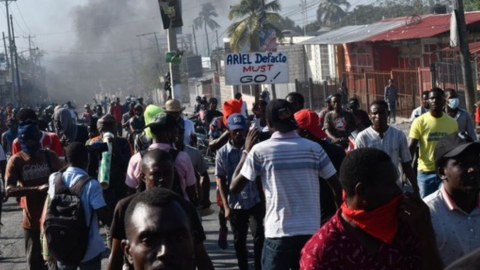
x=177, y=188
x=64, y=226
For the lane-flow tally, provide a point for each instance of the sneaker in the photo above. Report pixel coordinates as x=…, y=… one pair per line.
x=222, y=238
x=207, y=211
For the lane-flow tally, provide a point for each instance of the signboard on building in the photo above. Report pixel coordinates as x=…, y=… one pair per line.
x=256, y=68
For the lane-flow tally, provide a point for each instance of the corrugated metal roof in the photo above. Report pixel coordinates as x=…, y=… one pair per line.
x=474, y=48
x=429, y=26
x=349, y=34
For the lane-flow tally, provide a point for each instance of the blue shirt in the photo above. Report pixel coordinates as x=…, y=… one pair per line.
x=226, y=162
x=91, y=199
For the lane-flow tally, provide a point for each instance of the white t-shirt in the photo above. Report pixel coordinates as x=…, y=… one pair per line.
x=244, y=109
x=290, y=168
x=394, y=143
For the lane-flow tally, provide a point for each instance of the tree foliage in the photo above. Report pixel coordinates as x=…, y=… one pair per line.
x=330, y=12
x=244, y=32
x=205, y=20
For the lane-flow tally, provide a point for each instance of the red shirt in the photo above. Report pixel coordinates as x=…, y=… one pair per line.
x=332, y=247
x=477, y=115
x=49, y=141
x=116, y=111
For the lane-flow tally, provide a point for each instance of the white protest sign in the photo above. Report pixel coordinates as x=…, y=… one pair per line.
x=256, y=68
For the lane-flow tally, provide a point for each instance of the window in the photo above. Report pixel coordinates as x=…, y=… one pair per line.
x=324, y=61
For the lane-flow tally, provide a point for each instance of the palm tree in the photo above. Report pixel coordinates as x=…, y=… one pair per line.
x=205, y=19
x=330, y=12
x=246, y=31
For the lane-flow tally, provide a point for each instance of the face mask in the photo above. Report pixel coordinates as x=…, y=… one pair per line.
x=453, y=103
x=28, y=133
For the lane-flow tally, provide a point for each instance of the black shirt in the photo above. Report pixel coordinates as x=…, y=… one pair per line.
x=210, y=115
x=118, y=223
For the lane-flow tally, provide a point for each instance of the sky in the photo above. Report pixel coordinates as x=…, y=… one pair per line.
x=52, y=22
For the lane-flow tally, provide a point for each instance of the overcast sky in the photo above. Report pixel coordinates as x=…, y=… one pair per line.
x=52, y=24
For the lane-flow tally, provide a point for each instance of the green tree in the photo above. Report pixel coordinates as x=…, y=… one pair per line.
x=205, y=20
x=288, y=24
x=245, y=32
x=330, y=12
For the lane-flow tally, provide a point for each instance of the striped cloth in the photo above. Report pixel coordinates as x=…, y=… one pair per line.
x=290, y=168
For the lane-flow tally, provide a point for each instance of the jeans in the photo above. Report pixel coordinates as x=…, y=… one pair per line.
x=428, y=182
x=93, y=264
x=240, y=220
x=283, y=253
x=33, y=250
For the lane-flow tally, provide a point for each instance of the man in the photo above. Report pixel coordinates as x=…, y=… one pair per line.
x=308, y=128
x=212, y=111
x=464, y=121
x=244, y=111
x=116, y=112
x=48, y=140
x=164, y=129
x=121, y=153
x=104, y=103
x=93, y=131
x=159, y=230
x=201, y=172
x=377, y=227
x=92, y=201
x=174, y=108
x=328, y=108
x=3, y=168
x=455, y=208
x=423, y=108
x=259, y=120
x=361, y=116
x=9, y=136
x=198, y=103
x=293, y=208
x=157, y=172
x=391, y=97
x=246, y=208
x=31, y=168
x=296, y=100
x=126, y=121
x=339, y=123
x=388, y=139
x=427, y=130
x=65, y=126
x=87, y=115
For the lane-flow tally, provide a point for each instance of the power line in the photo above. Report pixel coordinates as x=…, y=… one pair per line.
x=21, y=15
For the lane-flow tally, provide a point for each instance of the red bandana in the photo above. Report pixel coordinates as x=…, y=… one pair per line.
x=381, y=223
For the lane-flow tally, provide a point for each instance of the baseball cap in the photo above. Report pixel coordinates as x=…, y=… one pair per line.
x=453, y=145
x=280, y=115
x=236, y=121
x=309, y=120
x=162, y=120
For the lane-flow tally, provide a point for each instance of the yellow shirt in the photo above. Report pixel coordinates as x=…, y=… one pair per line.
x=428, y=130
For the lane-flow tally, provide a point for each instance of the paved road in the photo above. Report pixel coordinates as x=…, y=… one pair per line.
x=13, y=252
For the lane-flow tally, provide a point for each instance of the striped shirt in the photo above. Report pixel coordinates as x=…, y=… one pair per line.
x=290, y=168
x=394, y=143
x=226, y=162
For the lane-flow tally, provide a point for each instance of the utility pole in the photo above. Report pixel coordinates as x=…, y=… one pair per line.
x=470, y=89
x=16, y=62
x=6, y=51
x=32, y=60
x=12, y=73
x=156, y=43
x=174, y=69
x=195, y=40
x=303, y=4
x=218, y=44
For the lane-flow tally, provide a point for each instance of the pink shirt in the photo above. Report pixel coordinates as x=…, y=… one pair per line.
x=183, y=167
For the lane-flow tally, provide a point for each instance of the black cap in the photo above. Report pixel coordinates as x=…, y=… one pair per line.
x=162, y=120
x=453, y=145
x=280, y=115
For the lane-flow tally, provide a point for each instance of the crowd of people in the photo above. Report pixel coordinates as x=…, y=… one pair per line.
x=318, y=190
